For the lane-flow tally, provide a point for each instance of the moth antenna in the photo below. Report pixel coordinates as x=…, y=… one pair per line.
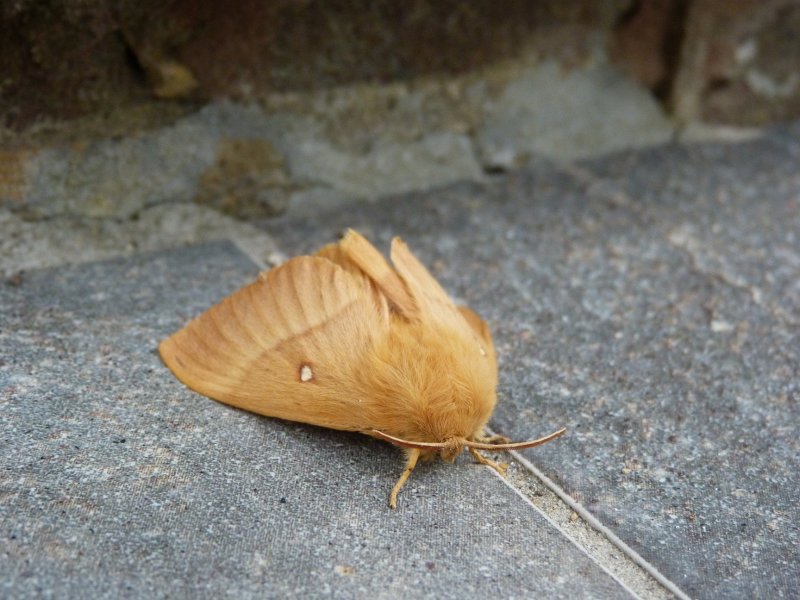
x=516, y=445
x=407, y=443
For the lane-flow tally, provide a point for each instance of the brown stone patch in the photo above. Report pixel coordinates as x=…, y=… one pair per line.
x=248, y=179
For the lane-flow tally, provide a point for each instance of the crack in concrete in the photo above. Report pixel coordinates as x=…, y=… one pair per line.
x=588, y=533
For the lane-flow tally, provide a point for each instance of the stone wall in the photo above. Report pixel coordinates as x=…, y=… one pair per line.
x=110, y=107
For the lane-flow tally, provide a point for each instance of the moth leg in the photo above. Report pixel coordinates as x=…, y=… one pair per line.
x=499, y=467
x=413, y=456
x=493, y=439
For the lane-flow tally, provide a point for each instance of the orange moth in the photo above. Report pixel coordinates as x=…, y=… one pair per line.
x=341, y=339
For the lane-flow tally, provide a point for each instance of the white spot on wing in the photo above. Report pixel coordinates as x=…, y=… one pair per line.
x=306, y=374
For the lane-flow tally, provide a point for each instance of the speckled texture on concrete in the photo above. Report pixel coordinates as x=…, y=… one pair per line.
x=116, y=481
x=648, y=301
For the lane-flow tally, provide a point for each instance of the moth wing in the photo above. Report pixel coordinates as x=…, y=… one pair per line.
x=411, y=289
x=285, y=345
x=433, y=301
x=481, y=329
x=335, y=254
x=355, y=250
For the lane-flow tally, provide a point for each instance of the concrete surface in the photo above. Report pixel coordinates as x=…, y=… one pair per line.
x=119, y=482
x=647, y=300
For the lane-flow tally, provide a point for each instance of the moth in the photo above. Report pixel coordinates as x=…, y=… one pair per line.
x=342, y=339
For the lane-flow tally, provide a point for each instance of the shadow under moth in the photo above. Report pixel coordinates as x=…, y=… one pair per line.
x=342, y=339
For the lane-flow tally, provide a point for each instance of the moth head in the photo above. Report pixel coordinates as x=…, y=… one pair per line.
x=451, y=448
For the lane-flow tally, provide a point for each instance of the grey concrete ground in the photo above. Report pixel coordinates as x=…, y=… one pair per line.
x=647, y=300
x=117, y=481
